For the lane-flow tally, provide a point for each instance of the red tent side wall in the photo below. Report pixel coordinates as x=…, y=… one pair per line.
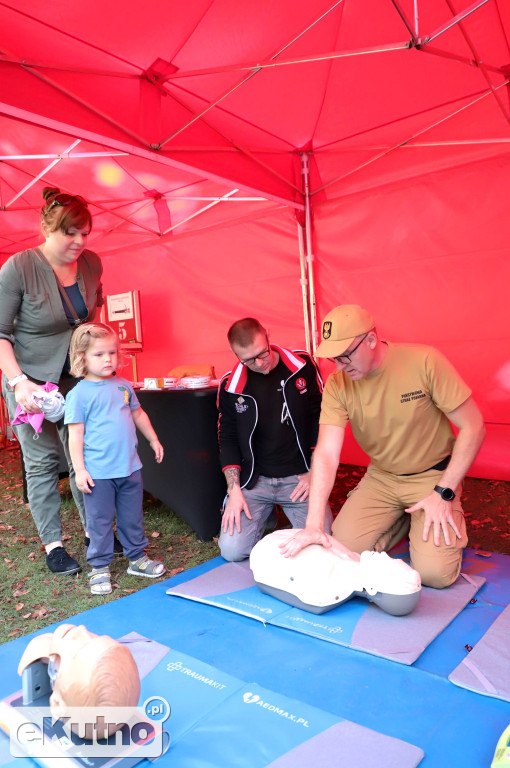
x=430, y=259
x=193, y=287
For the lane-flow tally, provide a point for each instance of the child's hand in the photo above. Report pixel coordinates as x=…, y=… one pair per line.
x=84, y=481
x=158, y=450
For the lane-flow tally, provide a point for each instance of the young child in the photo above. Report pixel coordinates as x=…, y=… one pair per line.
x=102, y=411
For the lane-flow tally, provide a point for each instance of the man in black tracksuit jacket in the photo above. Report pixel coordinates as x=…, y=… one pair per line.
x=269, y=407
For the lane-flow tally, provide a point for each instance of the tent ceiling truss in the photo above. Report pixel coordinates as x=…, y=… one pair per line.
x=164, y=79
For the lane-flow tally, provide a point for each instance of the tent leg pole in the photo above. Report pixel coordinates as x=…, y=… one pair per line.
x=304, y=286
x=305, y=172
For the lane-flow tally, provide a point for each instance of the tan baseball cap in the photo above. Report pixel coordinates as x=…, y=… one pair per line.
x=340, y=327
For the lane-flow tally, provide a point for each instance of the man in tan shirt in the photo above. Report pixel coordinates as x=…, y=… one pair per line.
x=399, y=400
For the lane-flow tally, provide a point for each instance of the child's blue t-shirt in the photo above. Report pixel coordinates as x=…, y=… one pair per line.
x=110, y=441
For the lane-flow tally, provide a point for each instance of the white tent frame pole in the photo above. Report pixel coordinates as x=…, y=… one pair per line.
x=304, y=286
x=40, y=175
x=305, y=172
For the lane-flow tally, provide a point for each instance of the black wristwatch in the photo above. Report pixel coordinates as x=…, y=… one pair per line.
x=446, y=493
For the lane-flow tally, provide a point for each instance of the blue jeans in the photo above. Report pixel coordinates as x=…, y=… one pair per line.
x=261, y=499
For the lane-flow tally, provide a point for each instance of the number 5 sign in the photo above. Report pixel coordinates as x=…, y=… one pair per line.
x=123, y=314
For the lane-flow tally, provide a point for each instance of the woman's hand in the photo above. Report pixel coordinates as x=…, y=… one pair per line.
x=23, y=394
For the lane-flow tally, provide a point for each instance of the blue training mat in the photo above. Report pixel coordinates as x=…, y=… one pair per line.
x=486, y=668
x=355, y=624
x=219, y=720
x=416, y=704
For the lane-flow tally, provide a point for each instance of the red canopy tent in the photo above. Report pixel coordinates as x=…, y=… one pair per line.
x=274, y=157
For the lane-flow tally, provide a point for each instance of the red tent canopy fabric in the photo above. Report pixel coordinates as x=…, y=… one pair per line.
x=188, y=127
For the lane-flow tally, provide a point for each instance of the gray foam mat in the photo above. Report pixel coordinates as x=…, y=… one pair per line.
x=486, y=669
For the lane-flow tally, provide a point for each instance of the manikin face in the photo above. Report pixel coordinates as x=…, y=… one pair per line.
x=250, y=355
x=66, y=247
x=76, y=656
x=101, y=358
x=77, y=652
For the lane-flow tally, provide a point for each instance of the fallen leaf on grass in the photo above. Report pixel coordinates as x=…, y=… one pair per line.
x=155, y=534
x=66, y=537
x=19, y=606
x=129, y=590
x=169, y=549
x=20, y=592
x=27, y=615
x=40, y=613
x=176, y=570
x=14, y=632
x=32, y=556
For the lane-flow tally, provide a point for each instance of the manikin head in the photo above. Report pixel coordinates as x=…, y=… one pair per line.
x=88, y=670
x=349, y=339
x=249, y=341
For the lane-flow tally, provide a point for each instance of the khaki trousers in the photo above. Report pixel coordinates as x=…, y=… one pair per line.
x=373, y=518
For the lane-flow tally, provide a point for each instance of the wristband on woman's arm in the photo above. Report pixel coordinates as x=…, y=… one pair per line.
x=16, y=380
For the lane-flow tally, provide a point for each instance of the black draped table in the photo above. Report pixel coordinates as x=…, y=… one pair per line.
x=189, y=479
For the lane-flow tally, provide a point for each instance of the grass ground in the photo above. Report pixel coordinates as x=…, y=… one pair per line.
x=31, y=597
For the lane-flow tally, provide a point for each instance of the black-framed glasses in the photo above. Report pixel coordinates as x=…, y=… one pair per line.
x=65, y=199
x=346, y=358
x=263, y=355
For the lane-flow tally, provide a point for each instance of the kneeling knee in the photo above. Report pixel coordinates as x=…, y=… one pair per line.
x=230, y=551
x=437, y=578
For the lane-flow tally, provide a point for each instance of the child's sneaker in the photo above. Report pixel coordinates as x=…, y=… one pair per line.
x=99, y=580
x=151, y=569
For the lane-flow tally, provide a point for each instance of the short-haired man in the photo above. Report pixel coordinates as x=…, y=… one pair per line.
x=399, y=400
x=269, y=407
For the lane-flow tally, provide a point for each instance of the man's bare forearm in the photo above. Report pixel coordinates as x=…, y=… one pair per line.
x=322, y=479
x=232, y=476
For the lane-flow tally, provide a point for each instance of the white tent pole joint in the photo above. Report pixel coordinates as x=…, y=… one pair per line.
x=41, y=174
x=451, y=23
